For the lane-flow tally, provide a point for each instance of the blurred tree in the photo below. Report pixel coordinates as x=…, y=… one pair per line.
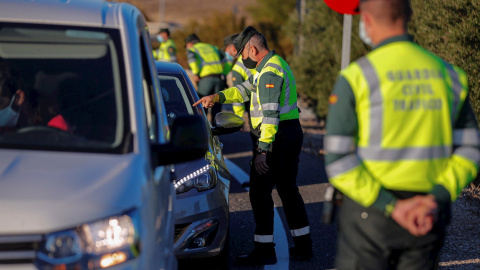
x=317, y=65
x=270, y=16
x=451, y=30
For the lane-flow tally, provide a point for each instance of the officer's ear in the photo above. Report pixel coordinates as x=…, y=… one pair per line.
x=254, y=50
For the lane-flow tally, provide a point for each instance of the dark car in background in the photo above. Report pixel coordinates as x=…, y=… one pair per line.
x=202, y=185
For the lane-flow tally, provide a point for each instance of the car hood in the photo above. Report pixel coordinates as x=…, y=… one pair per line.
x=47, y=191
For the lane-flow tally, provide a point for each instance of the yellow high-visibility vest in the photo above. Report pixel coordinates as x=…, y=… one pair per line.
x=204, y=59
x=163, y=54
x=245, y=73
x=407, y=102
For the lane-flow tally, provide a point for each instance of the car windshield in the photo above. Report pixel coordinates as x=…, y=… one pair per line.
x=176, y=97
x=60, y=88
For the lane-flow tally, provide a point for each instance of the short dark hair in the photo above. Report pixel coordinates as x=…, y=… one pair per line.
x=259, y=41
x=390, y=11
x=164, y=30
x=192, y=38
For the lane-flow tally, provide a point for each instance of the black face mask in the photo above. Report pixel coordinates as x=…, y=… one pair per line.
x=249, y=63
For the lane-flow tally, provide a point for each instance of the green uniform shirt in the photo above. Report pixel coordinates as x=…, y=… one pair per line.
x=273, y=95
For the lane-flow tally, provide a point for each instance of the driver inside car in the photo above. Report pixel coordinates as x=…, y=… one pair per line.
x=11, y=98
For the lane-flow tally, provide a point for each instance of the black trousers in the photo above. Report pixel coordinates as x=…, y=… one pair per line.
x=282, y=173
x=369, y=240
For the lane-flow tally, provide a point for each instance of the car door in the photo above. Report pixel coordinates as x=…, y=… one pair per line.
x=158, y=133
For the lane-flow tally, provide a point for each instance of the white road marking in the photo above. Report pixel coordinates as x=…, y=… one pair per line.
x=450, y=263
x=281, y=248
x=279, y=233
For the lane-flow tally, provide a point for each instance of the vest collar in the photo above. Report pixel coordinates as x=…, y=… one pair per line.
x=265, y=60
x=405, y=37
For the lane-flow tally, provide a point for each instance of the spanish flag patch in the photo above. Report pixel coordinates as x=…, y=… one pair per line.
x=269, y=85
x=333, y=99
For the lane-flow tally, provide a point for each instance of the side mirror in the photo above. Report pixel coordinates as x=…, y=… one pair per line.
x=188, y=141
x=226, y=123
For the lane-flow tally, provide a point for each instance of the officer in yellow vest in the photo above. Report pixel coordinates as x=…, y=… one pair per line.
x=240, y=74
x=208, y=67
x=274, y=112
x=167, y=51
x=401, y=141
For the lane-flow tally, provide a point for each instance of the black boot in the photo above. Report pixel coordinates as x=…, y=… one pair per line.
x=302, y=249
x=262, y=254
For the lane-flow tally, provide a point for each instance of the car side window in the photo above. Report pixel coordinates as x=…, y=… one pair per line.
x=175, y=97
x=148, y=93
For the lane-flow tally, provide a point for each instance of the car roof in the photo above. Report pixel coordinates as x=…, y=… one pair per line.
x=70, y=12
x=169, y=68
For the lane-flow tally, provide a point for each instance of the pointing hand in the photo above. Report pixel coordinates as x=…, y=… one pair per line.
x=208, y=101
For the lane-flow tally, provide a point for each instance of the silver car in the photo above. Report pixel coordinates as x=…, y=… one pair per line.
x=85, y=146
x=202, y=186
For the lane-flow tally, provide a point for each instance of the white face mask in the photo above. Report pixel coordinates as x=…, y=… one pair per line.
x=363, y=34
x=8, y=117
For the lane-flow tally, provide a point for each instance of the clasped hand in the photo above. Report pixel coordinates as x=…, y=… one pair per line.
x=417, y=214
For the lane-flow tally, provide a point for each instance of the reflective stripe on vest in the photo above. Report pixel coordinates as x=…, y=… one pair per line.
x=163, y=53
x=468, y=152
x=270, y=120
x=243, y=92
x=468, y=136
x=255, y=111
x=202, y=60
x=335, y=144
x=375, y=151
x=342, y=165
x=208, y=57
x=285, y=108
x=457, y=89
x=242, y=70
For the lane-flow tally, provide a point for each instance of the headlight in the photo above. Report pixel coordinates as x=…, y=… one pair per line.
x=95, y=245
x=202, y=179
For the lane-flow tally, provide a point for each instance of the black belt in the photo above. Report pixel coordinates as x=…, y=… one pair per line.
x=400, y=194
x=212, y=76
x=289, y=123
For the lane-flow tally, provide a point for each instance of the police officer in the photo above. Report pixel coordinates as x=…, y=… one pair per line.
x=402, y=142
x=207, y=64
x=240, y=74
x=167, y=51
x=274, y=112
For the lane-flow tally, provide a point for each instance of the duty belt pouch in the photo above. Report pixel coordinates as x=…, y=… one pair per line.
x=332, y=200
